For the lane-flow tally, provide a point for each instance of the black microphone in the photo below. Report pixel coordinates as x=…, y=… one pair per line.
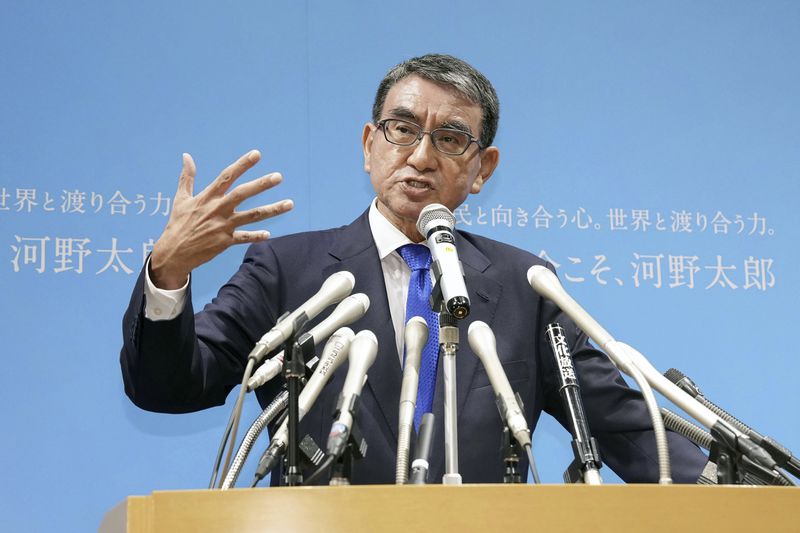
x=780, y=454
x=587, y=455
x=436, y=224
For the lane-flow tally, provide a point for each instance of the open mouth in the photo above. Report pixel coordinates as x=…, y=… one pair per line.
x=414, y=184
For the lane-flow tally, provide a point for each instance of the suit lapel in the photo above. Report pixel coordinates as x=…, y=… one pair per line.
x=355, y=249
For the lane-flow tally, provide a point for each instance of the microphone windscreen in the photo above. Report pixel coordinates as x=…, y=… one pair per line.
x=433, y=212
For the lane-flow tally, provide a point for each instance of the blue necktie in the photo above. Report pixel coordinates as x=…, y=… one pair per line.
x=418, y=258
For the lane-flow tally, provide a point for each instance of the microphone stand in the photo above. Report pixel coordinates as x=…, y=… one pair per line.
x=294, y=370
x=782, y=455
x=422, y=451
x=509, y=447
x=341, y=465
x=734, y=467
x=448, y=347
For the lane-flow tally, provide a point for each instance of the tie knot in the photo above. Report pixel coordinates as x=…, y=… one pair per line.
x=416, y=256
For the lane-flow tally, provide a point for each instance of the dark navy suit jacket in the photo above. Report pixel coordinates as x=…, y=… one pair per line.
x=193, y=361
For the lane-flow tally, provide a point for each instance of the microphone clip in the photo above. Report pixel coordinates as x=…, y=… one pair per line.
x=457, y=306
x=509, y=446
x=350, y=445
x=587, y=455
x=739, y=461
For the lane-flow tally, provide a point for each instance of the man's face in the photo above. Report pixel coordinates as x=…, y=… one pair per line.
x=407, y=178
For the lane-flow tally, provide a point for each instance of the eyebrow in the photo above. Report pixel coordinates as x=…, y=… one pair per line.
x=457, y=125
x=403, y=113
x=406, y=114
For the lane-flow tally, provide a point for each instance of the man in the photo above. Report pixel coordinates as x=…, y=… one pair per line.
x=430, y=141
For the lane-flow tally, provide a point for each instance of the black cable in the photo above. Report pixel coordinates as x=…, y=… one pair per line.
x=229, y=435
x=220, y=451
x=321, y=470
x=237, y=408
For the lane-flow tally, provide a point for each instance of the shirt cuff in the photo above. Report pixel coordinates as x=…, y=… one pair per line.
x=162, y=304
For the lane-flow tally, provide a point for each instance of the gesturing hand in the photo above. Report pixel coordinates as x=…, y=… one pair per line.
x=203, y=226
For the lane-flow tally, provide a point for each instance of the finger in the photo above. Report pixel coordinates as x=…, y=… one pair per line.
x=242, y=192
x=186, y=181
x=233, y=171
x=263, y=212
x=241, y=237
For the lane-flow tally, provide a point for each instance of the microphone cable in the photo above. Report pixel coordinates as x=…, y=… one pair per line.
x=532, y=464
x=329, y=459
x=267, y=415
x=229, y=435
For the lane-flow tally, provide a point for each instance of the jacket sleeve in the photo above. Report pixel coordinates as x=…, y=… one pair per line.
x=193, y=361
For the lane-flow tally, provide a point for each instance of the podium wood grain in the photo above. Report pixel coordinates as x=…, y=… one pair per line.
x=485, y=508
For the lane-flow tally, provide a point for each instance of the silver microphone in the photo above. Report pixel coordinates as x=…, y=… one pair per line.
x=483, y=343
x=348, y=311
x=436, y=224
x=416, y=335
x=544, y=282
x=333, y=355
x=333, y=290
x=363, y=351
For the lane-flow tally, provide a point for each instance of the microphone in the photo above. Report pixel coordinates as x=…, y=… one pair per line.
x=720, y=428
x=587, y=455
x=363, y=351
x=691, y=431
x=546, y=284
x=753, y=474
x=780, y=453
x=483, y=343
x=348, y=311
x=333, y=355
x=416, y=335
x=333, y=290
x=436, y=224
x=419, y=468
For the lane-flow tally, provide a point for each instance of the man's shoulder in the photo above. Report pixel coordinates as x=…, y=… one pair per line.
x=297, y=243
x=310, y=244
x=498, y=251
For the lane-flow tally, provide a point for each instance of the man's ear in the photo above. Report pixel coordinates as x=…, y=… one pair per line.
x=366, y=144
x=490, y=157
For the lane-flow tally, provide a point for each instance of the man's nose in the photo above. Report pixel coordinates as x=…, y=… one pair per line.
x=423, y=157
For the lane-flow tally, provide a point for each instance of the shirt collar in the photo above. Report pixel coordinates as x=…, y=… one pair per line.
x=386, y=236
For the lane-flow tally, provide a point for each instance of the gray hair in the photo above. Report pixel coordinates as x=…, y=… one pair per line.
x=452, y=72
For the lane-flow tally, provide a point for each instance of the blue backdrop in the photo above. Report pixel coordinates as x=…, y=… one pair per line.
x=648, y=148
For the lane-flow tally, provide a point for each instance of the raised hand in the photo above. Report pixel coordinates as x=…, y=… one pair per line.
x=203, y=226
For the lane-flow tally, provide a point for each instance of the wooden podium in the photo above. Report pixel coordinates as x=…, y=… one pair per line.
x=485, y=508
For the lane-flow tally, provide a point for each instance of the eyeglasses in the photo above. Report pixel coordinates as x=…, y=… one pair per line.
x=446, y=140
